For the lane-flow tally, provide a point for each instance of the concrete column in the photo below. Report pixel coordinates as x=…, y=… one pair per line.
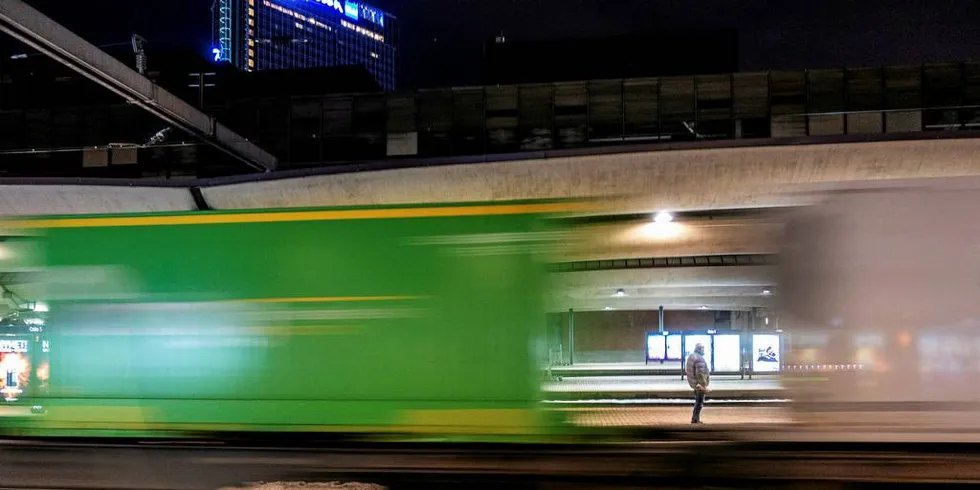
x=571, y=337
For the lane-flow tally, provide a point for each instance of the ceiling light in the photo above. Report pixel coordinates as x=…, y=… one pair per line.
x=663, y=217
x=620, y=293
x=703, y=307
x=608, y=308
x=766, y=292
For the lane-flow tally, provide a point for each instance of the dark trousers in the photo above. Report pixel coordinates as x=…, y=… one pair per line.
x=698, y=405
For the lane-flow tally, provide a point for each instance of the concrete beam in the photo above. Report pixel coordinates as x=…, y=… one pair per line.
x=714, y=303
x=758, y=276
x=717, y=288
x=682, y=239
x=700, y=179
x=68, y=199
x=40, y=32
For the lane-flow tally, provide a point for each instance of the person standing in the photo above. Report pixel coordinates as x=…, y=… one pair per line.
x=698, y=377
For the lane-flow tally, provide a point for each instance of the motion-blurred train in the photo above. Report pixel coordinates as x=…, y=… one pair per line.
x=410, y=321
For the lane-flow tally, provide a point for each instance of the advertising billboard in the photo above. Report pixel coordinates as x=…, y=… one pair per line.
x=766, y=355
x=728, y=353
x=674, y=347
x=692, y=340
x=656, y=347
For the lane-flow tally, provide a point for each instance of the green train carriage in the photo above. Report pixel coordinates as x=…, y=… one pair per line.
x=399, y=320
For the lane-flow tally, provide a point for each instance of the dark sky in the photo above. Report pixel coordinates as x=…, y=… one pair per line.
x=774, y=33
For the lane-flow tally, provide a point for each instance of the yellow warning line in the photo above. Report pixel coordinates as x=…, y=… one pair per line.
x=287, y=216
x=329, y=299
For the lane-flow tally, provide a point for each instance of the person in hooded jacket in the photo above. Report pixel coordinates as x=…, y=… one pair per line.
x=698, y=378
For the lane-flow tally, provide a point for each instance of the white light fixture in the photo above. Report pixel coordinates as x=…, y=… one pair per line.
x=766, y=292
x=703, y=307
x=608, y=308
x=767, y=320
x=663, y=217
x=620, y=293
x=40, y=307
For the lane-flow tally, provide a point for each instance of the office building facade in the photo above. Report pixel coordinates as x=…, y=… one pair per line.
x=257, y=35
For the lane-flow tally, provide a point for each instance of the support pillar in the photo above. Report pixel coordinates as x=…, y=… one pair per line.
x=571, y=337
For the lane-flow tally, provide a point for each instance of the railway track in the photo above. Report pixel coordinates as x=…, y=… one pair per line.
x=69, y=466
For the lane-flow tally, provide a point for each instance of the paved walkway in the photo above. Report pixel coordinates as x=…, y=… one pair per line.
x=665, y=416
x=665, y=388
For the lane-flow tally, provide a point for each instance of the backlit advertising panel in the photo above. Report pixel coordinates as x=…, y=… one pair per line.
x=674, y=347
x=656, y=347
x=728, y=353
x=766, y=355
x=692, y=340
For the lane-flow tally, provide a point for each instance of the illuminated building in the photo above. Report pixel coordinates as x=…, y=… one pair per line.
x=256, y=35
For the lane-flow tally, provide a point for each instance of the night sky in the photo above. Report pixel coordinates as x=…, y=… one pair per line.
x=773, y=33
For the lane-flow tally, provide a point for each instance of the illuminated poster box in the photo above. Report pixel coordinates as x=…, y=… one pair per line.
x=728, y=353
x=656, y=346
x=766, y=353
x=675, y=351
x=692, y=340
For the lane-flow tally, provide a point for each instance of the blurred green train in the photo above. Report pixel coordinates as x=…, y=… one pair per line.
x=411, y=320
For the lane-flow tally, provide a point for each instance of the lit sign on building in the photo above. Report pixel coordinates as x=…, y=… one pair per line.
x=334, y=4
x=13, y=346
x=372, y=15
x=354, y=11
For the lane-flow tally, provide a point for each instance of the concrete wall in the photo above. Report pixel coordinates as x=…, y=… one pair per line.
x=619, y=336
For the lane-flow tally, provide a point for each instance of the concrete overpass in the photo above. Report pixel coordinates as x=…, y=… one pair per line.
x=637, y=179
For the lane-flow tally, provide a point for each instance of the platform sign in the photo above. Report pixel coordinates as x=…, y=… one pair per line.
x=766, y=353
x=728, y=353
x=675, y=349
x=692, y=340
x=656, y=346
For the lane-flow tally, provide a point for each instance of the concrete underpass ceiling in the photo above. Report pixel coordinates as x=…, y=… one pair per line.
x=646, y=239
x=715, y=288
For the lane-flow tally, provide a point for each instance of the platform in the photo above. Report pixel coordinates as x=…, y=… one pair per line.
x=660, y=390
x=618, y=369
x=671, y=416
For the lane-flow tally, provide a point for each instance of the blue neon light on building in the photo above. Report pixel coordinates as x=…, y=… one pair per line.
x=351, y=10
x=291, y=34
